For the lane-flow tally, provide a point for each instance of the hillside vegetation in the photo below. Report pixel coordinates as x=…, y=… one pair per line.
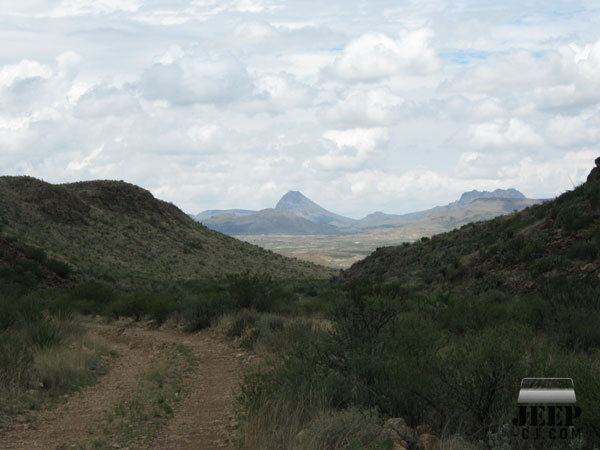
x=118, y=232
x=518, y=252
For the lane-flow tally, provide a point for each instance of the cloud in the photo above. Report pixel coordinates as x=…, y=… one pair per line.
x=102, y=100
x=351, y=148
x=375, y=55
x=374, y=107
x=25, y=70
x=86, y=161
x=569, y=131
x=515, y=133
x=68, y=8
x=196, y=79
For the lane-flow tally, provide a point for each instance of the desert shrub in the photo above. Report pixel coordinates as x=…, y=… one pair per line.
x=60, y=370
x=268, y=329
x=198, y=312
x=476, y=313
x=16, y=361
x=93, y=297
x=479, y=374
x=31, y=308
x=242, y=320
x=534, y=246
x=533, y=310
x=60, y=268
x=573, y=217
x=252, y=291
x=349, y=428
x=592, y=192
x=160, y=307
x=489, y=280
x=24, y=272
x=48, y=331
x=34, y=253
x=8, y=311
x=577, y=328
x=135, y=305
x=582, y=250
x=546, y=264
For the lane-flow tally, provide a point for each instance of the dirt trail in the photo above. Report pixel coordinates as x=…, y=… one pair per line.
x=201, y=419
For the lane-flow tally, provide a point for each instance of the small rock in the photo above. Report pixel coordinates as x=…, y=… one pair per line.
x=590, y=267
x=428, y=442
x=239, y=355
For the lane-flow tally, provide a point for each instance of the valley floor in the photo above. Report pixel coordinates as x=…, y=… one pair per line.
x=200, y=418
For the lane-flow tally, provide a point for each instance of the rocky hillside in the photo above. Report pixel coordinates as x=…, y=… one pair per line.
x=116, y=231
x=556, y=239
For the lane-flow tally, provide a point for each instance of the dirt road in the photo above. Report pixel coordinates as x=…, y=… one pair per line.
x=202, y=419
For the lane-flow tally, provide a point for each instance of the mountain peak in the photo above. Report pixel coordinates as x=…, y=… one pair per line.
x=300, y=205
x=468, y=197
x=293, y=196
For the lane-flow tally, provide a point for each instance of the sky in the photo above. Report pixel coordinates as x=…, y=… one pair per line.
x=363, y=106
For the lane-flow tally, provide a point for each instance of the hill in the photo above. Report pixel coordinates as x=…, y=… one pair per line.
x=116, y=231
x=267, y=221
x=209, y=213
x=518, y=252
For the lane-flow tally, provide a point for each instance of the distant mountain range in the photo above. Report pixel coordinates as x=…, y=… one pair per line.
x=295, y=214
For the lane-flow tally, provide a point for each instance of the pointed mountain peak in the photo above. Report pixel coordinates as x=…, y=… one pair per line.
x=293, y=196
x=292, y=199
x=300, y=205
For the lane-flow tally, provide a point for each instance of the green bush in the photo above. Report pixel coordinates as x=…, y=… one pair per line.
x=471, y=314
x=160, y=308
x=573, y=217
x=546, y=264
x=479, y=375
x=136, y=305
x=94, y=297
x=60, y=268
x=252, y=291
x=582, y=250
x=199, y=312
x=489, y=280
